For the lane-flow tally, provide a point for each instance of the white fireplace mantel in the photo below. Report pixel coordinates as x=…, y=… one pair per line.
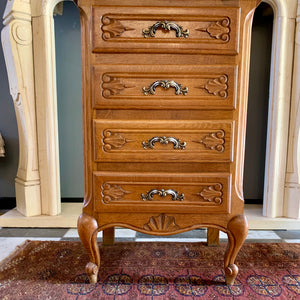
x=29, y=50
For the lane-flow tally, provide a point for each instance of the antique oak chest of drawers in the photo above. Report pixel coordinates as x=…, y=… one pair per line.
x=164, y=111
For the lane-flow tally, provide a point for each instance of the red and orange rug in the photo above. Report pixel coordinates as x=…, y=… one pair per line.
x=55, y=270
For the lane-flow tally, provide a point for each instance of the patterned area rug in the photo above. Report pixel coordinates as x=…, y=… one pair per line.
x=55, y=270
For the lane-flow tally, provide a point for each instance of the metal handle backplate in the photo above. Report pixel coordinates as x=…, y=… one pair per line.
x=162, y=193
x=164, y=140
x=150, y=32
x=166, y=84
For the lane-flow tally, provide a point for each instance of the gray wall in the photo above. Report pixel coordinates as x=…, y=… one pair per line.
x=68, y=62
x=67, y=32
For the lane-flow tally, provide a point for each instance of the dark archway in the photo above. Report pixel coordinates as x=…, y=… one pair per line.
x=257, y=116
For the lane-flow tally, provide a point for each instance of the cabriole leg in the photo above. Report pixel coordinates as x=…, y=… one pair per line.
x=237, y=232
x=87, y=229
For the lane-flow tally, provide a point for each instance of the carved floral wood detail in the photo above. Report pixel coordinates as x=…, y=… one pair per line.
x=113, y=140
x=161, y=223
x=112, y=192
x=212, y=193
x=112, y=86
x=219, y=30
x=217, y=86
x=113, y=28
x=214, y=141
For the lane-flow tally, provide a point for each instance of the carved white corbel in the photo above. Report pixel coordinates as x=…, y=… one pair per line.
x=16, y=39
x=292, y=183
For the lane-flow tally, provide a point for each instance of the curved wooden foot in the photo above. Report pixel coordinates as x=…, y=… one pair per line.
x=237, y=230
x=92, y=271
x=87, y=229
x=230, y=273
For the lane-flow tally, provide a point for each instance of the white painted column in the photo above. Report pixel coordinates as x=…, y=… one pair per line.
x=46, y=104
x=16, y=39
x=292, y=183
x=279, y=105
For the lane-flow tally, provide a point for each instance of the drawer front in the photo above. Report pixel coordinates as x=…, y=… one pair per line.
x=162, y=192
x=162, y=141
x=146, y=87
x=165, y=29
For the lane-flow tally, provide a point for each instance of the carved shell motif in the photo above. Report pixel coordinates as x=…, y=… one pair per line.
x=112, y=86
x=112, y=28
x=212, y=193
x=218, y=30
x=161, y=223
x=113, y=140
x=217, y=86
x=214, y=141
x=112, y=192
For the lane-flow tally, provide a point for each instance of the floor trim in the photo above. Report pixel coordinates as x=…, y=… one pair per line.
x=71, y=211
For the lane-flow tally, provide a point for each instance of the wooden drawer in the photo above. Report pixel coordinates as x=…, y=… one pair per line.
x=162, y=141
x=162, y=192
x=164, y=87
x=165, y=29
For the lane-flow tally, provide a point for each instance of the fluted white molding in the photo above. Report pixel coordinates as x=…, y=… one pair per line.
x=16, y=39
x=292, y=184
x=279, y=105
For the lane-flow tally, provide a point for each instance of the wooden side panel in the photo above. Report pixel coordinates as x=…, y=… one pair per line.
x=162, y=141
x=164, y=87
x=165, y=29
x=158, y=192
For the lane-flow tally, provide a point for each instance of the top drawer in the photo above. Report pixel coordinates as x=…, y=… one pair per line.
x=165, y=29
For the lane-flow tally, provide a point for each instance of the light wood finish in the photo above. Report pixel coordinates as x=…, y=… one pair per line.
x=87, y=230
x=192, y=141
x=123, y=192
x=121, y=86
x=109, y=236
x=119, y=29
x=213, y=236
x=164, y=118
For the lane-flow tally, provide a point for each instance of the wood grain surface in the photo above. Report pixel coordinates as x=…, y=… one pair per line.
x=165, y=87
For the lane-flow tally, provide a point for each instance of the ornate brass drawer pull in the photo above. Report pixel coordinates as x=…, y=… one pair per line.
x=164, y=140
x=150, y=32
x=166, y=84
x=163, y=193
